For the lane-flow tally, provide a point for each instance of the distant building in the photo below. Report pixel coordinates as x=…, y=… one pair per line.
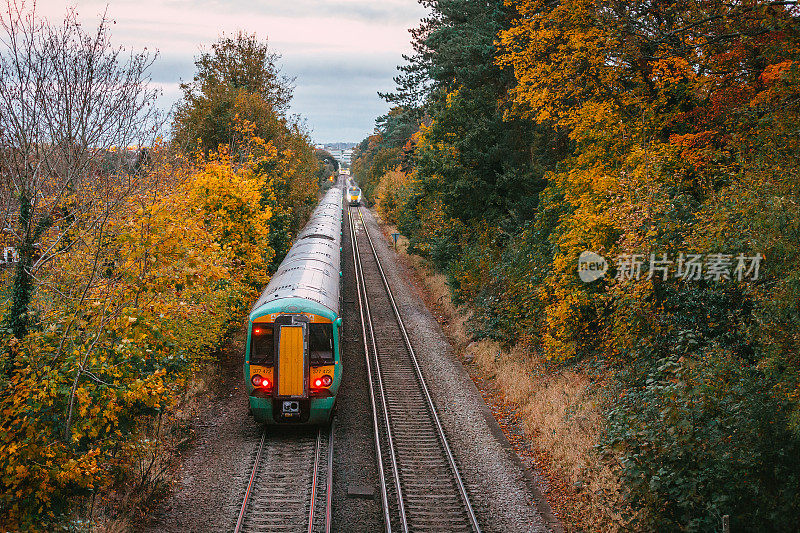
x=9, y=256
x=342, y=152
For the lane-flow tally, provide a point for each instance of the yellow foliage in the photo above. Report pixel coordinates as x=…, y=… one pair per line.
x=230, y=205
x=389, y=194
x=134, y=308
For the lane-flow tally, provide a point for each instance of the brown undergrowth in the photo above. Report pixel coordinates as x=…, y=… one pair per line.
x=558, y=408
x=156, y=456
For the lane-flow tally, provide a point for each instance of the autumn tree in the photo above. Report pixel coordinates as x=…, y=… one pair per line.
x=239, y=76
x=473, y=161
x=680, y=117
x=238, y=93
x=71, y=107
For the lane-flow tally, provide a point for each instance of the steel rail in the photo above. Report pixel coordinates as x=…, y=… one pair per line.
x=440, y=429
x=314, y=482
x=250, y=484
x=376, y=430
x=329, y=481
x=252, y=493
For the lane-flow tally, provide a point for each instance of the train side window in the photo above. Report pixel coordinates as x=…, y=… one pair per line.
x=320, y=343
x=262, y=345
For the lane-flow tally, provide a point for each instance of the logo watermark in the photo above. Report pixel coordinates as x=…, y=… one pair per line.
x=688, y=267
x=591, y=266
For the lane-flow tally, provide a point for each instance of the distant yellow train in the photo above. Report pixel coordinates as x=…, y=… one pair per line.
x=354, y=195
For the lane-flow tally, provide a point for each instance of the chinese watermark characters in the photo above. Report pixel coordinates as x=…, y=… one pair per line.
x=687, y=267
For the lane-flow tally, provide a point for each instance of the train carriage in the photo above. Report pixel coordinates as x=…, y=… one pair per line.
x=292, y=363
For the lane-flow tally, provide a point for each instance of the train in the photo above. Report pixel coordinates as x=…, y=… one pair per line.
x=292, y=363
x=354, y=194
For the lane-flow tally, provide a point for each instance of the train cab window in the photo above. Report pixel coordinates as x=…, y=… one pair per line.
x=320, y=343
x=262, y=345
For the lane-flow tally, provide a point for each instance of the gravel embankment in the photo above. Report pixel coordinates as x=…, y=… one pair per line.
x=210, y=482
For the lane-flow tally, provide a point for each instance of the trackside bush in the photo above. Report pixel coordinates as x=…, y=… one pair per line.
x=699, y=440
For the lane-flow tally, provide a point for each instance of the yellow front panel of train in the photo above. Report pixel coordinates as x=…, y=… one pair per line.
x=291, y=362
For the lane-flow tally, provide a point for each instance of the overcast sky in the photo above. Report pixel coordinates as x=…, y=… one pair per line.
x=340, y=52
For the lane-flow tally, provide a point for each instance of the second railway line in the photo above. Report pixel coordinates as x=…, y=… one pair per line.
x=421, y=486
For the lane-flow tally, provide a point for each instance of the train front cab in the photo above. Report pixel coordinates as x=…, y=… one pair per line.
x=292, y=367
x=354, y=196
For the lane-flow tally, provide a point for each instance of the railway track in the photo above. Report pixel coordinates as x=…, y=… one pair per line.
x=290, y=487
x=421, y=488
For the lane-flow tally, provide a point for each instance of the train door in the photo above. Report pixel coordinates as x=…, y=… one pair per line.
x=292, y=365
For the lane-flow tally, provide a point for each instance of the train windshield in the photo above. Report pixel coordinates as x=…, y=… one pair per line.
x=262, y=345
x=320, y=343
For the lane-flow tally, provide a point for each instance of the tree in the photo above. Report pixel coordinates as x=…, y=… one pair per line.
x=683, y=117
x=239, y=94
x=328, y=164
x=71, y=109
x=239, y=77
x=243, y=62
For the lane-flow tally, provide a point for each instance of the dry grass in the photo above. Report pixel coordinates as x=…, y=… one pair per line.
x=561, y=412
x=561, y=415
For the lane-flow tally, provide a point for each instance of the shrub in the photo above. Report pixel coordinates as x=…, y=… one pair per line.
x=704, y=436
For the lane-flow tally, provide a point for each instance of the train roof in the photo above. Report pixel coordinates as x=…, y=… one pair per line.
x=311, y=269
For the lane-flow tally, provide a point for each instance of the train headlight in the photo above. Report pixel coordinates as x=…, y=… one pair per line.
x=259, y=381
x=324, y=381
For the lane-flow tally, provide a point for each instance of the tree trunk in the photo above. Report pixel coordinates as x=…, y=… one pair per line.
x=16, y=318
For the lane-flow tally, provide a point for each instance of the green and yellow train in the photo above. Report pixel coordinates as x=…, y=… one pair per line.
x=292, y=365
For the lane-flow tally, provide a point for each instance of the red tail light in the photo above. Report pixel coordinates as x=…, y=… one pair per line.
x=259, y=381
x=324, y=381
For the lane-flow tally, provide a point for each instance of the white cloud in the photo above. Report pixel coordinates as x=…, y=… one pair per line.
x=341, y=52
